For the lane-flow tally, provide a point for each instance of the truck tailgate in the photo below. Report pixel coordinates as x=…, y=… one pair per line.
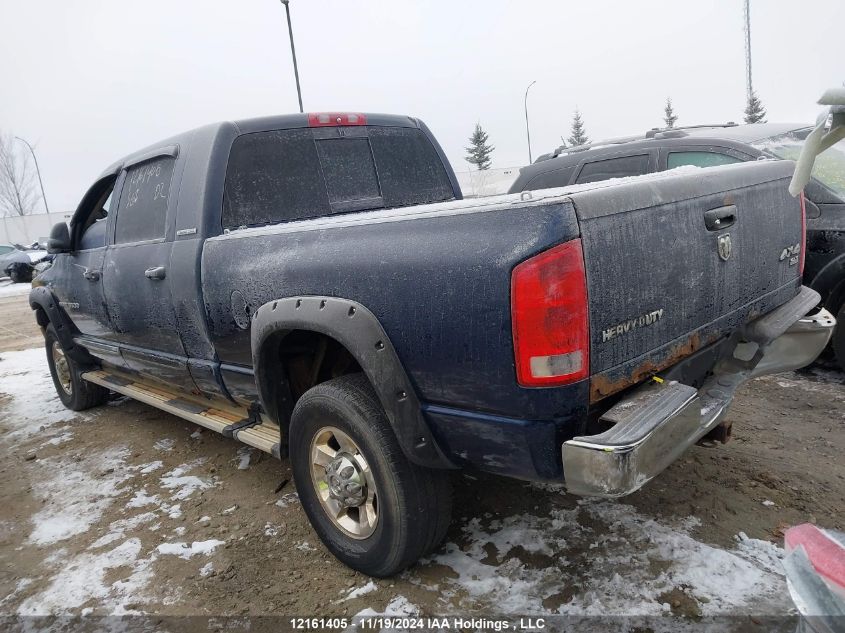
x=676, y=261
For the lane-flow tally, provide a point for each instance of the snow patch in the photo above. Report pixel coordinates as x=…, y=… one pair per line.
x=83, y=579
x=398, y=606
x=166, y=444
x=76, y=494
x=9, y=289
x=183, y=550
x=59, y=439
x=183, y=485
x=118, y=529
x=34, y=406
x=621, y=561
x=146, y=469
x=287, y=500
x=141, y=499
x=244, y=455
x=360, y=591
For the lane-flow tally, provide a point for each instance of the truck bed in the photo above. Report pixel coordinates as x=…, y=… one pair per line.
x=438, y=276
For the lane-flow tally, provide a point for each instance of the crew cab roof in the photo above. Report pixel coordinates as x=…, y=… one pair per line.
x=171, y=145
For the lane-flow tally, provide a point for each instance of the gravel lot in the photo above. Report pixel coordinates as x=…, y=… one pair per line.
x=124, y=509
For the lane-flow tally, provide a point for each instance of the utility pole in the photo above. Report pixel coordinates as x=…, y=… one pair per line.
x=747, y=22
x=527, y=129
x=293, y=54
x=37, y=171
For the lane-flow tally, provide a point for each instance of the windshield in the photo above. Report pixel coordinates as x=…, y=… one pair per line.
x=829, y=168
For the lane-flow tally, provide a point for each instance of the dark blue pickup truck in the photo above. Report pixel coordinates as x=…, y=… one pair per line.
x=314, y=286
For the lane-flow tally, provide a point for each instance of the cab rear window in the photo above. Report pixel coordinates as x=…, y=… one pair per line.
x=285, y=175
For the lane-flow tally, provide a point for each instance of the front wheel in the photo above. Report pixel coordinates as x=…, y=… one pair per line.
x=373, y=509
x=75, y=392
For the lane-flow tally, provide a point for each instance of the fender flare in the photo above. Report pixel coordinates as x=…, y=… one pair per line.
x=41, y=297
x=356, y=328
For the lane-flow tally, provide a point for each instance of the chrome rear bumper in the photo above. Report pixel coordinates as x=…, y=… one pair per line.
x=658, y=422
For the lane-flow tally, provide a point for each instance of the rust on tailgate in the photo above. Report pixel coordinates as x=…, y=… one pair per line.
x=617, y=379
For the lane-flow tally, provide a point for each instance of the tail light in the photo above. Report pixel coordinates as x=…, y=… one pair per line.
x=803, y=235
x=551, y=334
x=328, y=119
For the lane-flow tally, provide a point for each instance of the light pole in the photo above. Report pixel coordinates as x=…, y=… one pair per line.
x=293, y=54
x=527, y=129
x=37, y=171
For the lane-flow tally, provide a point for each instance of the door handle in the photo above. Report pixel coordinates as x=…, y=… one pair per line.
x=91, y=275
x=720, y=218
x=155, y=273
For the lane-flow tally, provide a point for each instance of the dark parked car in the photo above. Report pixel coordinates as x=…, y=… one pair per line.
x=19, y=264
x=313, y=286
x=709, y=145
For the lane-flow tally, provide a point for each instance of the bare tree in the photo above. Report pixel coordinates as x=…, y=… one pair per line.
x=18, y=190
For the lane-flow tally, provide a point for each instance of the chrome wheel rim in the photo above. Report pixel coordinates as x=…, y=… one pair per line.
x=344, y=483
x=62, y=368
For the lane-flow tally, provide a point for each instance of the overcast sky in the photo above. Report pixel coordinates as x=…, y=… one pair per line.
x=88, y=81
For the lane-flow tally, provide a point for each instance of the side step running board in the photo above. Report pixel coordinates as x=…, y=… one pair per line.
x=220, y=416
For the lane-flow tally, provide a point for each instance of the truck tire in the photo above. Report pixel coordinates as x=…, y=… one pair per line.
x=74, y=392
x=837, y=340
x=373, y=509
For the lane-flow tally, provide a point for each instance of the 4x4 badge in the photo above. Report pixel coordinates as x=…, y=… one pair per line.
x=725, y=247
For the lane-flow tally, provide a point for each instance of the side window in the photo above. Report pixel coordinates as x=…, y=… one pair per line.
x=273, y=177
x=549, y=179
x=699, y=159
x=142, y=211
x=614, y=168
x=89, y=221
x=409, y=169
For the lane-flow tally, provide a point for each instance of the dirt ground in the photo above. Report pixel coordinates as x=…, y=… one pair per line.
x=124, y=509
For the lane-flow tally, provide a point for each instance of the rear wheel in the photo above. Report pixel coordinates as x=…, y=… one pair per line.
x=74, y=392
x=372, y=508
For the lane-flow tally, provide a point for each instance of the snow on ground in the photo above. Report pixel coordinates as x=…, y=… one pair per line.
x=598, y=557
x=8, y=289
x=88, y=487
x=621, y=562
x=182, y=484
x=357, y=592
x=185, y=550
x=76, y=490
x=243, y=458
x=287, y=499
x=75, y=494
x=399, y=606
x=83, y=579
x=165, y=444
x=34, y=405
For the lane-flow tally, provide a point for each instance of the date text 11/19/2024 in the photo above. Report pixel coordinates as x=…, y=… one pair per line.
x=409, y=623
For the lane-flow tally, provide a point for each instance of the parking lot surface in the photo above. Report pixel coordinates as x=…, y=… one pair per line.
x=125, y=509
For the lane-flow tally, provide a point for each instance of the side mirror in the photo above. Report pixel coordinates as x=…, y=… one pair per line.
x=59, y=241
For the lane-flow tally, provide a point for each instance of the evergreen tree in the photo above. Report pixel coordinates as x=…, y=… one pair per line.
x=478, y=152
x=754, y=110
x=669, y=114
x=579, y=133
